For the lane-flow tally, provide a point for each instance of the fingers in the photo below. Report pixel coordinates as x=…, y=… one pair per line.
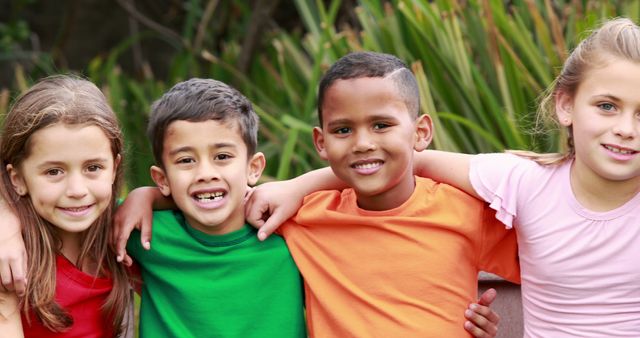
x=145, y=232
x=255, y=213
x=482, y=320
x=271, y=224
x=19, y=272
x=6, y=276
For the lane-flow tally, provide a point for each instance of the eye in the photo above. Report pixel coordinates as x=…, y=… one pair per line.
x=53, y=172
x=380, y=125
x=607, y=106
x=341, y=130
x=94, y=167
x=222, y=157
x=185, y=160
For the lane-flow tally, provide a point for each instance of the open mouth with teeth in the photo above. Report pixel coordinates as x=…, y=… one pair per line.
x=209, y=196
x=76, y=209
x=618, y=150
x=367, y=165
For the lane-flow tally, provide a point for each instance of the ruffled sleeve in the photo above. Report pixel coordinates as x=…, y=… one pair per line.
x=499, y=179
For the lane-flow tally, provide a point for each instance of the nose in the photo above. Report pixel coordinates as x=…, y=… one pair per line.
x=627, y=126
x=76, y=186
x=363, y=142
x=207, y=171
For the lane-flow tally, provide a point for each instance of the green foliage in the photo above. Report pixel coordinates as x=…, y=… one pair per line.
x=480, y=64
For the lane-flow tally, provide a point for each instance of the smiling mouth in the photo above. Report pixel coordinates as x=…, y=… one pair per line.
x=77, y=209
x=367, y=165
x=618, y=150
x=209, y=196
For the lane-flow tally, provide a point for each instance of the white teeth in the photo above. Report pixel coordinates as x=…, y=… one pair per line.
x=207, y=196
x=619, y=151
x=367, y=165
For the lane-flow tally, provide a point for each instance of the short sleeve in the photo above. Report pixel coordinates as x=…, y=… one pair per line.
x=497, y=179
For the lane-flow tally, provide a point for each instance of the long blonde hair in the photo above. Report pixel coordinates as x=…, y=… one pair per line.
x=616, y=39
x=74, y=101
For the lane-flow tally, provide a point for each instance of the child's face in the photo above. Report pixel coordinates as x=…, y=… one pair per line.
x=605, y=118
x=68, y=175
x=368, y=136
x=206, y=172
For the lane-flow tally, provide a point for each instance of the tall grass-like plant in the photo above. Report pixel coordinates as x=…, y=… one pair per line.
x=481, y=66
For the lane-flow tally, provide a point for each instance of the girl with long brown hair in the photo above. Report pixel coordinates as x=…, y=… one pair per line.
x=61, y=172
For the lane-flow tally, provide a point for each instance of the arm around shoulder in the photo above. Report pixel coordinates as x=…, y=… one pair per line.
x=10, y=323
x=446, y=167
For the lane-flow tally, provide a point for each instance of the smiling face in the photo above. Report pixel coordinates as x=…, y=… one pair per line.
x=605, y=118
x=368, y=136
x=68, y=175
x=206, y=172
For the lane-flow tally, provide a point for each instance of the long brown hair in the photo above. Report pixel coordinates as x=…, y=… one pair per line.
x=616, y=39
x=74, y=101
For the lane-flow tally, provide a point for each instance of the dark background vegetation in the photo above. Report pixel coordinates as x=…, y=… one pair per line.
x=481, y=64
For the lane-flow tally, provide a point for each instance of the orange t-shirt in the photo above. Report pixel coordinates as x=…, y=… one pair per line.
x=406, y=272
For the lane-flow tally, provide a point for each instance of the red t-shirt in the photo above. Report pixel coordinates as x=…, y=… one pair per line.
x=82, y=296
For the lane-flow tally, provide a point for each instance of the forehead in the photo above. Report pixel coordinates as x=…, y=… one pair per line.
x=64, y=142
x=618, y=78
x=188, y=134
x=368, y=95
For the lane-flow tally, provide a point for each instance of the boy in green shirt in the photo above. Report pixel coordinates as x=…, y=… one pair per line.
x=202, y=278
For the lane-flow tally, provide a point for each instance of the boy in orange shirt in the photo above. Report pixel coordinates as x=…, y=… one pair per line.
x=394, y=255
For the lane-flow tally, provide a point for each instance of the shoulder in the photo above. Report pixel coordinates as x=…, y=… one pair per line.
x=442, y=192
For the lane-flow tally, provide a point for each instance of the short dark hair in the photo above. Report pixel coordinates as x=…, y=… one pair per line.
x=198, y=100
x=371, y=64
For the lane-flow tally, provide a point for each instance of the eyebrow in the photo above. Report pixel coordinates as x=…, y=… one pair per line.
x=606, y=96
x=62, y=163
x=219, y=145
x=369, y=119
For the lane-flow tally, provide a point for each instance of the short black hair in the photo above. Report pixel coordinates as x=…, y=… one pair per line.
x=371, y=64
x=198, y=100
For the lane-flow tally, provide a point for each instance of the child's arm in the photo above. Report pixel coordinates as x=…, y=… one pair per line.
x=136, y=212
x=445, y=167
x=13, y=256
x=482, y=321
x=10, y=323
x=270, y=204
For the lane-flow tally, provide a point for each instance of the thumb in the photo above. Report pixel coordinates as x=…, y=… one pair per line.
x=488, y=297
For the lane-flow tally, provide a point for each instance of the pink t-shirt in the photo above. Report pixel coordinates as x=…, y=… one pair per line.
x=580, y=268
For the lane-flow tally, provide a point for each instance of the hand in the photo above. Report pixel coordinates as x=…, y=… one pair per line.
x=135, y=212
x=13, y=259
x=482, y=320
x=271, y=204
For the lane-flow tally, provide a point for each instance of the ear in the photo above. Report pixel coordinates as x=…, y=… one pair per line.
x=255, y=167
x=116, y=164
x=564, y=108
x=19, y=186
x=318, y=142
x=423, y=133
x=160, y=177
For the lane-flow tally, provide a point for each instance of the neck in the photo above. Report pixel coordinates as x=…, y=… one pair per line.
x=71, y=245
x=391, y=198
x=599, y=194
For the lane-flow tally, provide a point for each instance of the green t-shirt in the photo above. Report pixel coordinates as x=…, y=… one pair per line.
x=200, y=285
